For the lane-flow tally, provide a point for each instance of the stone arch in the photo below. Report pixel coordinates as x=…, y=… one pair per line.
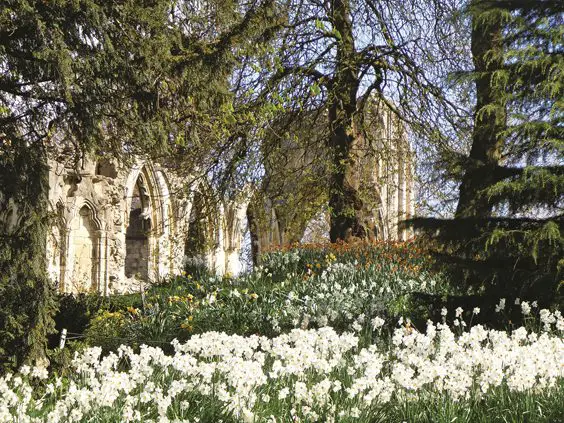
x=144, y=222
x=145, y=171
x=82, y=271
x=168, y=225
x=164, y=195
x=138, y=232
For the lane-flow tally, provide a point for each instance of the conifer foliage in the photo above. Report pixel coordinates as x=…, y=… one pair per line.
x=507, y=230
x=104, y=78
x=66, y=84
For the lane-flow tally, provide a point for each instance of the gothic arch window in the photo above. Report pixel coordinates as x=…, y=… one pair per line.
x=84, y=251
x=137, y=236
x=149, y=225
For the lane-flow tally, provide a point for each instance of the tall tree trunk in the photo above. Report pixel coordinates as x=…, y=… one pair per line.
x=254, y=234
x=489, y=116
x=344, y=200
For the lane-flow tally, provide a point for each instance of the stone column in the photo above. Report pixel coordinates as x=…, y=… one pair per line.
x=401, y=191
x=236, y=213
x=102, y=265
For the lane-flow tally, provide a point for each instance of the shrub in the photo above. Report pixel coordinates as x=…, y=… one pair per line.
x=77, y=310
x=107, y=329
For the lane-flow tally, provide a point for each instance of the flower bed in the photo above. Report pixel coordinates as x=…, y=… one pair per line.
x=307, y=376
x=299, y=287
x=317, y=333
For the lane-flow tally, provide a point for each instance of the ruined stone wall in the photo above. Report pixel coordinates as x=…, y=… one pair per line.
x=234, y=215
x=220, y=221
x=118, y=227
x=383, y=176
x=115, y=225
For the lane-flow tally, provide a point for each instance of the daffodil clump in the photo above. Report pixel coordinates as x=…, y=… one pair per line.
x=314, y=334
x=343, y=286
x=306, y=286
x=313, y=375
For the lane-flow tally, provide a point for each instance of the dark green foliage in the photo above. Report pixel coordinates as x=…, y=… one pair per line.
x=101, y=78
x=27, y=299
x=76, y=311
x=507, y=234
x=67, y=85
x=501, y=256
x=71, y=66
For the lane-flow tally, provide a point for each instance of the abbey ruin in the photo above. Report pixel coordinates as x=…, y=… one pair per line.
x=118, y=226
x=383, y=177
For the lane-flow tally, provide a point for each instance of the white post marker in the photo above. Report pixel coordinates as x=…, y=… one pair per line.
x=63, y=339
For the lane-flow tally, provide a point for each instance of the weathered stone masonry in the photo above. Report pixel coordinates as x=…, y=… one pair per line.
x=115, y=225
x=118, y=226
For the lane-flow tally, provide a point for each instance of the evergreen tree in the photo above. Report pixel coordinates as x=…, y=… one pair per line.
x=66, y=83
x=97, y=77
x=507, y=231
